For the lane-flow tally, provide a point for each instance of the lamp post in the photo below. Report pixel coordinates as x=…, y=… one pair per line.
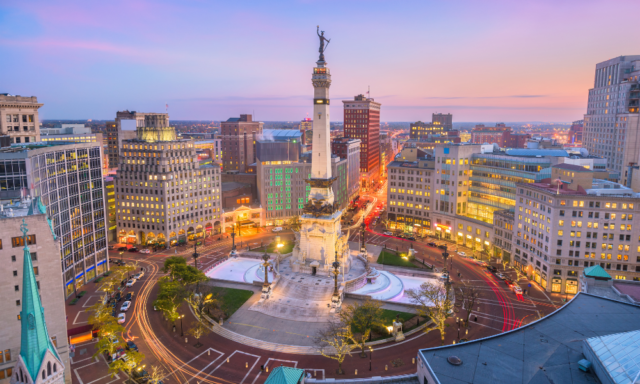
x=335, y=298
x=370, y=356
x=265, y=285
x=445, y=255
x=195, y=260
x=233, y=241
x=363, y=248
x=121, y=257
x=181, y=329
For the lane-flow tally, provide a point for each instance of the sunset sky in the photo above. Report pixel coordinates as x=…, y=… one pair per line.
x=480, y=60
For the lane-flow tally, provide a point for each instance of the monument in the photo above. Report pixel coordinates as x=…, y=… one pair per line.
x=320, y=233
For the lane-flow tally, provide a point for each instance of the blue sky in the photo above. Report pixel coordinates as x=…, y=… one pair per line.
x=480, y=60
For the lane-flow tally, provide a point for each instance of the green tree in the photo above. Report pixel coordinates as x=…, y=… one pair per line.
x=433, y=302
x=335, y=342
x=362, y=318
x=171, y=263
x=170, y=296
x=99, y=313
x=127, y=364
x=189, y=275
x=198, y=330
x=157, y=375
x=201, y=302
x=109, y=338
x=295, y=224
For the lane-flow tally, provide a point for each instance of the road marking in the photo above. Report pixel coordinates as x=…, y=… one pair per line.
x=314, y=371
x=88, y=300
x=244, y=353
x=187, y=363
x=84, y=366
x=75, y=321
x=208, y=365
x=295, y=365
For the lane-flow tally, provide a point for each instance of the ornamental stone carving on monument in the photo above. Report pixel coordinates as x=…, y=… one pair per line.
x=321, y=83
x=317, y=208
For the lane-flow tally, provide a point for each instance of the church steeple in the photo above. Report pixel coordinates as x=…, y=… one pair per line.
x=39, y=361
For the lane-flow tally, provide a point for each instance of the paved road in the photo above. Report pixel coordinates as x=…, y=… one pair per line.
x=225, y=361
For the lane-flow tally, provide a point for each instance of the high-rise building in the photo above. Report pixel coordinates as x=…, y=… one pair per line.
x=282, y=170
x=19, y=118
x=163, y=195
x=35, y=346
x=306, y=127
x=612, y=123
x=480, y=134
x=349, y=149
x=440, y=124
x=124, y=128
x=68, y=180
x=362, y=121
x=574, y=136
x=239, y=137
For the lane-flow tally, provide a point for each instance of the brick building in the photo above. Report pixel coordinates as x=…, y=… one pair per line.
x=239, y=137
x=362, y=121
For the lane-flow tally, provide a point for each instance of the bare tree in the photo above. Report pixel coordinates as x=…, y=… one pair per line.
x=434, y=302
x=335, y=342
x=470, y=296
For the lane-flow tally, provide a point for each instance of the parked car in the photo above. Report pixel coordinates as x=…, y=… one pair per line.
x=122, y=317
x=442, y=246
x=118, y=297
x=129, y=296
x=462, y=254
x=491, y=268
x=141, y=273
x=125, y=306
x=410, y=238
x=388, y=233
x=277, y=229
x=132, y=346
x=140, y=375
x=131, y=282
x=133, y=249
x=145, y=250
x=500, y=276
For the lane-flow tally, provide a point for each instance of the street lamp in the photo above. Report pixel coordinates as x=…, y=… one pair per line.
x=335, y=298
x=121, y=257
x=265, y=286
x=195, y=259
x=370, y=356
x=445, y=255
x=181, y=329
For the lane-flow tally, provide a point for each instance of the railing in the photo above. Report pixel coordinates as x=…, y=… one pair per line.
x=357, y=283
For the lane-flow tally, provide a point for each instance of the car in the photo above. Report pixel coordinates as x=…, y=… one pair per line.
x=122, y=249
x=500, y=276
x=140, y=375
x=442, y=246
x=277, y=229
x=129, y=296
x=125, y=306
x=411, y=238
x=517, y=290
x=462, y=254
x=444, y=276
x=114, y=313
x=508, y=282
x=141, y=273
x=145, y=250
x=133, y=249
x=122, y=317
x=388, y=233
x=111, y=247
x=118, y=297
x=132, y=346
x=130, y=283
x=432, y=244
x=491, y=268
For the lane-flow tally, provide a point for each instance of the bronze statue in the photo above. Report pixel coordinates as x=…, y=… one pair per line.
x=322, y=40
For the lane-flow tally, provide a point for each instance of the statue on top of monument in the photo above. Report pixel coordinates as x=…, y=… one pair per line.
x=322, y=45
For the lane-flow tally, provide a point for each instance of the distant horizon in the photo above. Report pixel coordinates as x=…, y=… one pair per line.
x=494, y=60
x=339, y=121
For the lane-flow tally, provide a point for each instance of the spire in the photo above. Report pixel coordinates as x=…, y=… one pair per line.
x=35, y=339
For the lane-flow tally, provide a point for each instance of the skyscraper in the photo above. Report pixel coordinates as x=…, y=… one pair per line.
x=239, y=137
x=362, y=121
x=611, y=124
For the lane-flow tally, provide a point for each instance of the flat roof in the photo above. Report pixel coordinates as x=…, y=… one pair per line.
x=546, y=351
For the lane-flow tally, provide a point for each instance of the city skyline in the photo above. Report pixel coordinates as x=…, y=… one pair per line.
x=491, y=62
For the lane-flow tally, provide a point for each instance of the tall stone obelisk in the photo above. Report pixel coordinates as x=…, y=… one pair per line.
x=320, y=234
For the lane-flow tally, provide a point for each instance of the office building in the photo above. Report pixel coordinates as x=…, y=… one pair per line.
x=163, y=195
x=429, y=141
x=239, y=137
x=306, y=128
x=362, y=121
x=19, y=118
x=209, y=149
x=70, y=133
x=282, y=172
x=68, y=179
x=574, y=136
x=440, y=124
x=480, y=134
x=110, y=192
x=123, y=128
x=349, y=149
x=572, y=221
x=34, y=321
x=612, y=124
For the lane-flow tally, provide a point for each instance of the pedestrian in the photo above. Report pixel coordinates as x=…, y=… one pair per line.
x=475, y=318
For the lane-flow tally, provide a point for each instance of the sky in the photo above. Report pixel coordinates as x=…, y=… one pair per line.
x=481, y=60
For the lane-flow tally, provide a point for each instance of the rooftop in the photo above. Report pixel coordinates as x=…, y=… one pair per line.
x=280, y=134
x=546, y=351
x=537, y=152
x=571, y=167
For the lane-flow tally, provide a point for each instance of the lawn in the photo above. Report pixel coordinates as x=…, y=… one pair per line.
x=287, y=247
x=232, y=299
x=389, y=316
x=388, y=257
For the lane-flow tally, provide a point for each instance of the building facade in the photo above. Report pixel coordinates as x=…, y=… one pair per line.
x=306, y=129
x=362, y=121
x=440, y=124
x=612, y=124
x=561, y=229
x=349, y=149
x=239, y=137
x=480, y=134
x=574, y=136
x=163, y=195
x=19, y=118
x=44, y=259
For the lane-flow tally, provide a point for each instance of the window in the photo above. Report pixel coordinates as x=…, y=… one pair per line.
x=17, y=303
x=19, y=241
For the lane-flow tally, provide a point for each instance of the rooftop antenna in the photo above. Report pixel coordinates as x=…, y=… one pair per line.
x=369, y=91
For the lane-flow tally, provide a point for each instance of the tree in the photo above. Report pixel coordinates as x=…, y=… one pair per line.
x=109, y=338
x=198, y=330
x=470, y=296
x=99, y=313
x=295, y=224
x=203, y=301
x=127, y=364
x=335, y=342
x=434, y=302
x=169, y=298
x=157, y=375
x=189, y=275
x=171, y=263
x=362, y=318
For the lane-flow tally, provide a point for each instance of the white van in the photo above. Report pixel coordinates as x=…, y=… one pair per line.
x=277, y=229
